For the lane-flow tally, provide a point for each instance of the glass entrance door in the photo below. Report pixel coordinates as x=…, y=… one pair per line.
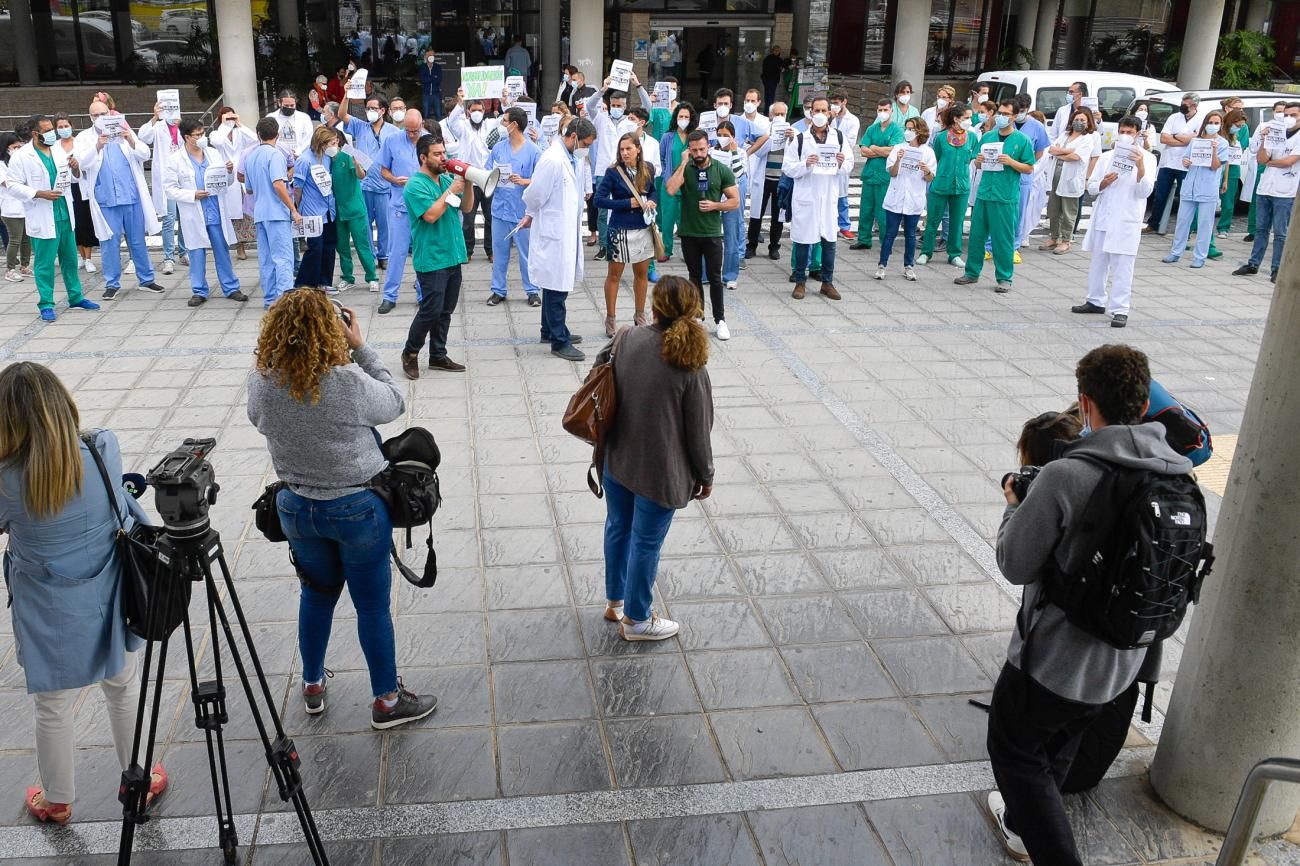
x=753, y=45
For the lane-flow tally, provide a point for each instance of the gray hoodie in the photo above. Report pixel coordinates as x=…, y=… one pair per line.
x=1066, y=660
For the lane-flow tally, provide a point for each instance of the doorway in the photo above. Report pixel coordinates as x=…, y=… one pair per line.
x=704, y=57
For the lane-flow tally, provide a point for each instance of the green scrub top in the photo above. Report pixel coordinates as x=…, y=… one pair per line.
x=439, y=244
x=347, y=188
x=1004, y=186
x=952, y=176
x=874, y=170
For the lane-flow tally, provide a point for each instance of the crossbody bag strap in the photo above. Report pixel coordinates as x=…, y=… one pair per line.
x=622, y=173
x=103, y=474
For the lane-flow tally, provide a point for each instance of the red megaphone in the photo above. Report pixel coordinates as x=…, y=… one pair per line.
x=480, y=177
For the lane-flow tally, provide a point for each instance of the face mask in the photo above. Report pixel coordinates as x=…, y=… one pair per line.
x=1236, y=127
x=751, y=107
x=1279, y=115
x=202, y=142
x=1184, y=110
x=903, y=98
x=1126, y=139
x=615, y=112
x=819, y=120
x=321, y=82
x=399, y=115
x=566, y=78
x=48, y=138
x=228, y=124
x=882, y=116
x=476, y=117
x=287, y=110
x=1141, y=115
x=1001, y=121
x=835, y=108
x=1211, y=129
x=909, y=135
x=65, y=132
x=1078, y=126
x=428, y=60
x=1022, y=117
x=332, y=151
x=683, y=122
x=941, y=103
x=1290, y=122
x=372, y=115
x=580, y=153
x=980, y=119
x=723, y=110
x=724, y=141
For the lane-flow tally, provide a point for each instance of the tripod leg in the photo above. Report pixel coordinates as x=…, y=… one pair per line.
x=210, y=715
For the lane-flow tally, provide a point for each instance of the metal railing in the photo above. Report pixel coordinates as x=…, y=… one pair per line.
x=1241, y=831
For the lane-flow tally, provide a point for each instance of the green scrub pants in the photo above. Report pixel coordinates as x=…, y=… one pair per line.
x=670, y=210
x=955, y=207
x=814, y=257
x=871, y=212
x=1250, y=214
x=1229, y=198
x=995, y=221
x=355, y=231
x=45, y=252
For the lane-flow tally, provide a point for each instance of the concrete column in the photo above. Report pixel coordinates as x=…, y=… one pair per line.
x=548, y=52
x=236, y=47
x=1256, y=14
x=1237, y=696
x=1200, y=44
x=1026, y=22
x=1045, y=33
x=24, y=35
x=911, y=36
x=587, y=40
x=290, y=25
x=799, y=29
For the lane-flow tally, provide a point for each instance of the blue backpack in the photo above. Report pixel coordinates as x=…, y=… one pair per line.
x=1185, y=432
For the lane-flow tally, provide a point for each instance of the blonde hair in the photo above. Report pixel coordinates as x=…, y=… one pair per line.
x=302, y=339
x=322, y=138
x=39, y=436
x=677, y=303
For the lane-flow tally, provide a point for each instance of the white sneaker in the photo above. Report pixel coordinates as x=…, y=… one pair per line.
x=909, y=274
x=130, y=267
x=373, y=285
x=13, y=276
x=654, y=628
x=90, y=266
x=724, y=333
x=1014, y=844
x=922, y=259
x=347, y=287
x=957, y=262
x=330, y=290
x=731, y=284
x=167, y=266
x=880, y=272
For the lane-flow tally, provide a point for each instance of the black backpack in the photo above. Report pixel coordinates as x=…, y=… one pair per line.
x=1141, y=560
x=409, y=487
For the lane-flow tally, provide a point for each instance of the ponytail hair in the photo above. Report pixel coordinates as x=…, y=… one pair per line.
x=677, y=303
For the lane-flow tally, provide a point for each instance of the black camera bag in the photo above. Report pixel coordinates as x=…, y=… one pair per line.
x=409, y=487
x=266, y=514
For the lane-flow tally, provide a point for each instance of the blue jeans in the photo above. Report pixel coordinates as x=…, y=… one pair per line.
x=733, y=244
x=1203, y=211
x=1165, y=180
x=892, y=222
x=1271, y=213
x=501, y=256
x=377, y=213
x=399, y=246
x=554, y=310
x=220, y=257
x=173, y=244
x=274, y=259
x=128, y=220
x=635, y=529
x=843, y=206
x=338, y=542
x=801, y=252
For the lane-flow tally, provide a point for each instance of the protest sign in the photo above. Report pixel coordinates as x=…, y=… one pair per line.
x=358, y=157
x=514, y=87
x=989, y=154
x=1201, y=151
x=911, y=160
x=110, y=125
x=709, y=123
x=776, y=134
x=1124, y=162
x=63, y=179
x=356, y=88
x=620, y=75
x=324, y=181
x=169, y=104
x=310, y=227
x=216, y=181
x=663, y=97
x=827, y=163
x=483, y=82
x=550, y=126
x=1274, y=135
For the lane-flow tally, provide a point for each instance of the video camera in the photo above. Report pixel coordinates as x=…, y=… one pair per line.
x=184, y=487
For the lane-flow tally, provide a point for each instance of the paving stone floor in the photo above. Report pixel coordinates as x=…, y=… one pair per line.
x=838, y=595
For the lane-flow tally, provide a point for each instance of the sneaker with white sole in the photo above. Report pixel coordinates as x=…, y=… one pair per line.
x=1014, y=844
x=373, y=285
x=880, y=272
x=13, y=275
x=724, y=333
x=409, y=707
x=168, y=267
x=922, y=259
x=731, y=284
x=655, y=628
x=346, y=286
x=957, y=262
x=90, y=266
x=909, y=274
x=330, y=290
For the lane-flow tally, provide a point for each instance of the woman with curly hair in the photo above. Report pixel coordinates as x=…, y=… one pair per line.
x=665, y=406
x=317, y=394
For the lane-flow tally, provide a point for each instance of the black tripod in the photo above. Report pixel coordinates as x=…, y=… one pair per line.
x=184, y=554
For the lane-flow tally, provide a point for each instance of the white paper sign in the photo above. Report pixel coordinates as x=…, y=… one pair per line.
x=63, y=179
x=1201, y=151
x=357, y=84
x=1274, y=136
x=506, y=170
x=989, y=154
x=483, y=82
x=1235, y=154
x=216, y=181
x=324, y=182
x=110, y=124
x=1090, y=103
x=663, y=97
x=620, y=75
x=311, y=227
x=169, y=102
x=910, y=160
x=514, y=87
x=1124, y=162
x=709, y=123
x=358, y=157
x=826, y=158
x=550, y=126
x=776, y=134
x=530, y=109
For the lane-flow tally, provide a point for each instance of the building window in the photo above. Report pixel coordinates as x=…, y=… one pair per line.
x=874, y=36
x=956, y=36
x=1120, y=36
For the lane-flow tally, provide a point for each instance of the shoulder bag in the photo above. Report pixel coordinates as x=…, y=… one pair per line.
x=655, y=237
x=591, y=411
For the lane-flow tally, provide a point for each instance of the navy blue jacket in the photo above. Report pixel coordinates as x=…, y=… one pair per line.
x=615, y=196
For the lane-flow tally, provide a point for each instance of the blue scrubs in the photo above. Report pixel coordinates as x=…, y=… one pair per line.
x=508, y=210
x=216, y=237
x=1025, y=223
x=119, y=202
x=397, y=154
x=374, y=189
x=263, y=167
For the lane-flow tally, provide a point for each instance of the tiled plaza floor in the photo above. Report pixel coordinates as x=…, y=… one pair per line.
x=838, y=595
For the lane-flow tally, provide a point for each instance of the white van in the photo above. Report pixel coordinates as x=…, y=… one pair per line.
x=1258, y=104
x=1049, y=90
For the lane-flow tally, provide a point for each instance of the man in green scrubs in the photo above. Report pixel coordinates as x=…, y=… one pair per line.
x=997, y=198
x=877, y=143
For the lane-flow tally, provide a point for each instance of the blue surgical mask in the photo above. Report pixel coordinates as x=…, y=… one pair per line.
x=65, y=132
x=1001, y=121
x=48, y=138
x=1087, y=427
x=615, y=112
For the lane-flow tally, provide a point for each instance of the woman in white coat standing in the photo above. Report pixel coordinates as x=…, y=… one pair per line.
x=232, y=140
x=1067, y=175
x=196, y=180
x=911, y=167
x=163, y=135
x=814, y=202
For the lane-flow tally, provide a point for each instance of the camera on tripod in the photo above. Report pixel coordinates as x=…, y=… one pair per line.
x=184, y=487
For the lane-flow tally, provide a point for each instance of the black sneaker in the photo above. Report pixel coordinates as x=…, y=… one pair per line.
x=237, y=296
x=750, y=252
x=774, y=254
x=1087, y=307
x=1119, y=320
x=386, y=307
x=601, y=254
x=534, y=301
x=110, y=293
x=383, y=264
x=153, y=288
x=1250, y=238
x=196, y=301
x=410, y=707
x=1272, y=277
x=494, y=300
x=574, y=339
x=1246, y=270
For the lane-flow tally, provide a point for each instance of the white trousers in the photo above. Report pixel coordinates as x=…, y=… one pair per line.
x=56, y=716
x=1119, y=268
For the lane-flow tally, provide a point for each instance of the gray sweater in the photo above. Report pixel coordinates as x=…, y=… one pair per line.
x=1066, y=660
x=659, y=446
x=329, y=449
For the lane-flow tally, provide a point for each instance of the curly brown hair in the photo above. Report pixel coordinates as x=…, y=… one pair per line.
x=302, y=339
x=1118, y=379
x=677, y=304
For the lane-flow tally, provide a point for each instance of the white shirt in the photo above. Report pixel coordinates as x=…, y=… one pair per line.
x=1074, y=172
x=1116, y=224
x=295, y=130
x=1172, y=157
x=907, y=190
x=1282, y=182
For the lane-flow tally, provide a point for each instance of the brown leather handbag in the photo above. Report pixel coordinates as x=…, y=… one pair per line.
x=591, y=411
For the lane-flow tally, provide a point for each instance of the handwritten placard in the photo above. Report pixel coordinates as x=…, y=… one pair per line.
x=310, y=227
x=1201, y=152
x=169, y=104
x=483, y=82
x=357, y=84
x=620, y=75
x=989, y=154
x=63, y=179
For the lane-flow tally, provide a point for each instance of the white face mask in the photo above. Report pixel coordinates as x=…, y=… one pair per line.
x=941, y=103
x=1141, y=115
x=399, y=115
x=428, y=60
x=332, y=151
x=724, y=141
x=321, y=82
x=778, y=118
x=1279, y=115
x=819, y=120
x=580, y=153
x=202, y=143
x=835, y=108
x=1290, y=122
x=1212, y=129
x=683, y=123
x=723, y=110
x=372, y=115
x=904, y=98
x=1126, y=139
x=751, y=108
x=476, y=116
x=909, y=135
x=883, y=116
x=228, y=124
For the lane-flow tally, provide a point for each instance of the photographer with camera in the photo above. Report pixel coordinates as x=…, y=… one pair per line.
x=317, y=394
x=1059, y=674
x=64, y=576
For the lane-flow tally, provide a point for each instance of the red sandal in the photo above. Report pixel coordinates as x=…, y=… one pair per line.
x=45, y=811
x=157, y=783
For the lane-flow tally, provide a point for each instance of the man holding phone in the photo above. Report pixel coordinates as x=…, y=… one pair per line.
x=708, y=188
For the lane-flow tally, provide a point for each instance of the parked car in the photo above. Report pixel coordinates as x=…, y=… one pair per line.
x=1259, y=103
x=138, y=31
x=173, y=55
x=99, y=57
x=1049, y=90
x=183, y=22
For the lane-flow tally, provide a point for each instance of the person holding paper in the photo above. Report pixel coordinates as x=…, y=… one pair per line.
x=398, y=163
x=162, y=134
x=708, y=188
x=368, y=137
x=911, y=168
x=112, y=170
x=1178, y=131
x=813, y=209
x=1120, y=183
x=1069, y=159
x=232, y=140
x=477, y=134
x=627, y=191
x=949, y=194
x=517, y=157
x=1251, y=173
x=266, y=174
x=997, y=197
x=41, y=177
x=1275, y=196
x=769, y=153
x=85, y=230
x=661, y=116
x=313, y=185
x=197, y=179
x=351, y=225
x=605, y=110
x=672, y=153
x=877, y=143
x=1203, y=167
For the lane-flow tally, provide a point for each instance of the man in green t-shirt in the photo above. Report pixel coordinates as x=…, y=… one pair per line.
x=708, y=188
x=1005, y=154
x=877, y=143
x=438, y=245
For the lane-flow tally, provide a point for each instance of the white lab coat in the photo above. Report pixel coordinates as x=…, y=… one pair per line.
x=91, y=159
x=814, y=206
x=849, y=124
x=180, y=186
x=295, y=131
x=554, y=203
x=231, y=144
x=756, y=163
x=1118, y=209
x=11, y=205
x=473, y=147
x=1074, y=172
x=27, y=176
x=156, y=135
x=908, y=190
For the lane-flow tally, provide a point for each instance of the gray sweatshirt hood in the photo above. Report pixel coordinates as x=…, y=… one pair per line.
x=1139, y=446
